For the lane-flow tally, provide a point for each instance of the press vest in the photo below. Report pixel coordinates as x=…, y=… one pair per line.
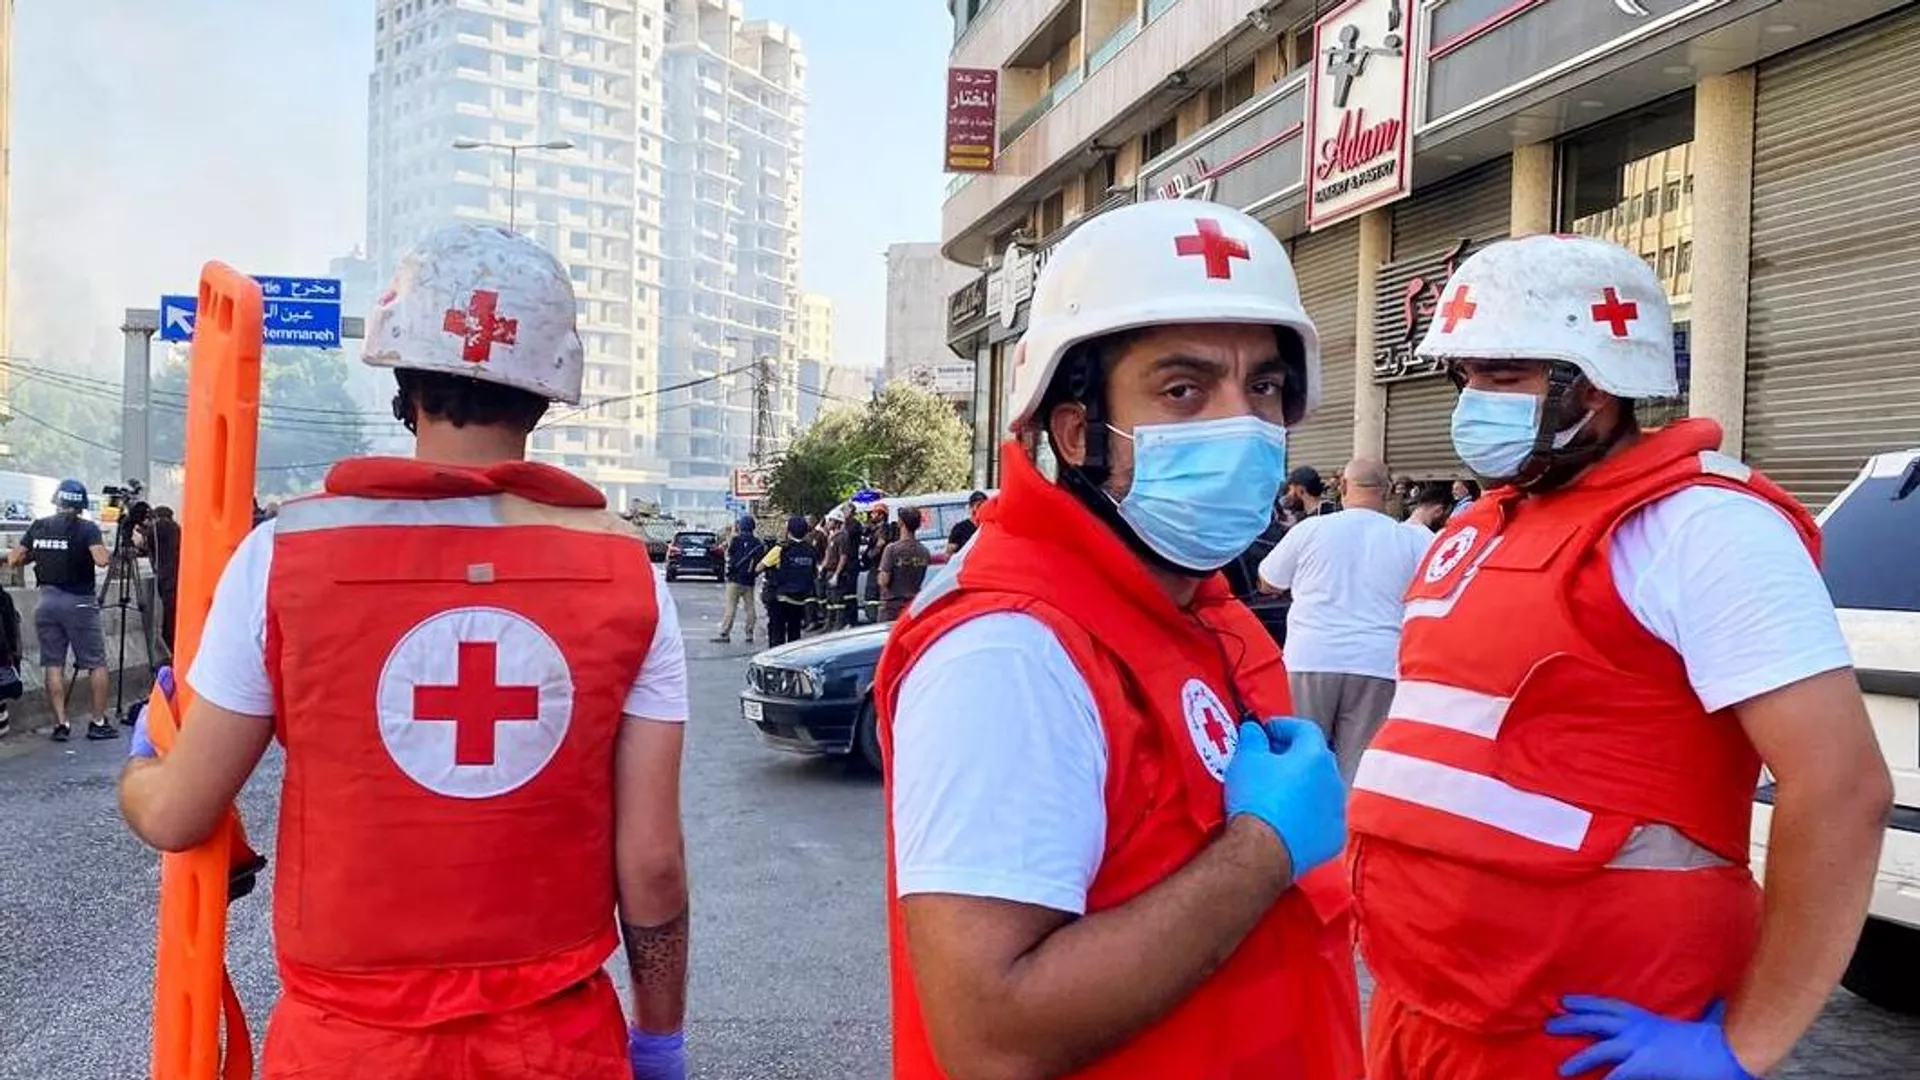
x=450, y=651
x=1169, y=685
x=794, y=576
x=1543, y=755
x=61, y=557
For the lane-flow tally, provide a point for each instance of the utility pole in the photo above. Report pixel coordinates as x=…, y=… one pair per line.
x=763, y=387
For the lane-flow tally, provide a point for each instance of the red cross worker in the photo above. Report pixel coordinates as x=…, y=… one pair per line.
x=1551, y=829
x=460, y=652
x=1087, y=738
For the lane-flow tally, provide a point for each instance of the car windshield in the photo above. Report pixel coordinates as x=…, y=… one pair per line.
x=1867, y=550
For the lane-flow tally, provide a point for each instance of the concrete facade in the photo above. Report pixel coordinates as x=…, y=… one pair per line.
x=919, y=280
x=531, y=72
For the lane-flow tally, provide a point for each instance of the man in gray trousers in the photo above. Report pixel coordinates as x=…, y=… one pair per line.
x=1347, y=572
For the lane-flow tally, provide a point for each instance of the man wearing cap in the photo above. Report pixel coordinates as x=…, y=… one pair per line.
x=1110, y=845
x=66, y=549
x=480, y=684
x=744, y=552
x=791, y=571
x=964, y=529
x=1551, y=830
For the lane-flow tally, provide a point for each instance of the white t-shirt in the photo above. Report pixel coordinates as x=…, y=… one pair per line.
x=230, y=669
x=999, y=760
x=1348, y=573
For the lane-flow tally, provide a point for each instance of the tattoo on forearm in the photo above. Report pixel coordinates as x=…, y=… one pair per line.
x=657, y=961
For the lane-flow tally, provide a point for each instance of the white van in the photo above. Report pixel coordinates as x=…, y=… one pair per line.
x=1868, y=555
x=940, y=511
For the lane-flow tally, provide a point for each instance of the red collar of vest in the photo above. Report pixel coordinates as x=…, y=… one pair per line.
x=1033, y=508
x=1654, y=451
x=406, y=478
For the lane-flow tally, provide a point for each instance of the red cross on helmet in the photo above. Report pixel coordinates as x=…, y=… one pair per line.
x=1159, y=263
x=479, y=301
x=1587, y=302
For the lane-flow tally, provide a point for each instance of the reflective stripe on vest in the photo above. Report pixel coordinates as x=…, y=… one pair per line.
x=1461, y=792
x=352, y=511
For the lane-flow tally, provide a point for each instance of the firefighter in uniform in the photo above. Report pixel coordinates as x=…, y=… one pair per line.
x=1110, y=847
x=1551, y=830
x=479, y=682
x=791, y=569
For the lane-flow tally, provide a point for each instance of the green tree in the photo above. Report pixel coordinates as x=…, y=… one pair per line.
x=308, y=420
x=60, y=431
x=905, y=441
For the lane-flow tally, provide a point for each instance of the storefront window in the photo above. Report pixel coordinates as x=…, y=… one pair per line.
x=1630, y=180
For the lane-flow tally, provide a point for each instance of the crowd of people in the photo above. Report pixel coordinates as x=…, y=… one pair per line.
x=860, y=564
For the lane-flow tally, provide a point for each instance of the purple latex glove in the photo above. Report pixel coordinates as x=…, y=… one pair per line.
x=1647, y=1046
x=657, y=1057
x=142, y=744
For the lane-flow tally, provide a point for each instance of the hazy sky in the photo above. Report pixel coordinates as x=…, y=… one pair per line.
x=150, y=137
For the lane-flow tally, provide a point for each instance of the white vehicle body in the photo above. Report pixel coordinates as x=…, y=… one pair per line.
x=1871, y=541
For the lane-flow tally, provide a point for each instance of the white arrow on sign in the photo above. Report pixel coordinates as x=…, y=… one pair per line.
x=179, y=318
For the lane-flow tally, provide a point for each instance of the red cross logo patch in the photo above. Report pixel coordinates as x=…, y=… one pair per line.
x=1451, y=550
x=1615, y=312
x=1457, y=310
x=1213, y=728
x=1212, y=245
x=480, y=326
x=474, y=702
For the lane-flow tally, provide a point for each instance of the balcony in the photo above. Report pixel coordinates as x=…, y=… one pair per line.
x=1036, y=157
x=1067, y=85
x=1121, y=37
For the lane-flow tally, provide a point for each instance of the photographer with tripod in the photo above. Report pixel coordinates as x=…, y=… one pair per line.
x=66, y=549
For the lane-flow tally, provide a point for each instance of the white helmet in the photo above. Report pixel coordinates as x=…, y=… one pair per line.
x=1159, y=263
x=1587, y=302
x=479, y=301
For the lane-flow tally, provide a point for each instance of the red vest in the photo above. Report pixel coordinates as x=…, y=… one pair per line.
x=1168, y=684
x=1535, y=727
x=450, y=651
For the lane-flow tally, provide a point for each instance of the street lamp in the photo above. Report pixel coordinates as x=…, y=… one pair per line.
x=513, y=165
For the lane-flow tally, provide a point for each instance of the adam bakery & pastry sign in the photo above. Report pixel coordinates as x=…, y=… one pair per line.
x=1359, y=141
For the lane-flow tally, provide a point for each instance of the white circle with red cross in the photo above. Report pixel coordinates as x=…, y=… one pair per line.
x=1449, y=553
x=474, y=702
x=1214, y=731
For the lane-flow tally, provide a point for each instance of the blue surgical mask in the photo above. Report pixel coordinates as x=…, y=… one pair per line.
x=1494, y=431
x=1203, y=489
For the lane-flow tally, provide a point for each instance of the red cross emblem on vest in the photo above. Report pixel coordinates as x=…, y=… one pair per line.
x=1615, y=312
x=474, y=701
x=480, y=325
x=476, y=705
x=1211, y=244
x=1210, y=725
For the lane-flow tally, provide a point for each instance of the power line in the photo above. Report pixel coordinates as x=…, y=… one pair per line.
x=575, y=410
x=79, y=438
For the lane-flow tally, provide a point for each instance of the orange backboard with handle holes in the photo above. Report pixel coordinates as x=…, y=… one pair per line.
x=192, y=994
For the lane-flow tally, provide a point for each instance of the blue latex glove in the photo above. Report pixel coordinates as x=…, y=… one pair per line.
x=1644, y=1045
x=657, y=1057
x=142, y=744
x=1283, y=774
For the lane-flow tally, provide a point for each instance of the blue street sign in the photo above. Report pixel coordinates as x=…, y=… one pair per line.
x=176, y=317
x=303, y=322
x=323, y=290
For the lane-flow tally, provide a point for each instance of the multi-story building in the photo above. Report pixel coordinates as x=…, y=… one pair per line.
x=813, y=350
x=574, y=85
x=735, y=118
x=1763, y=157
x=6, y=186
x=919, y=279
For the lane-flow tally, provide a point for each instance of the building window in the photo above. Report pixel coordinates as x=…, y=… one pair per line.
x=1666, y=267
x=1683, y=264
x=1160, y=139
x=1053, y=213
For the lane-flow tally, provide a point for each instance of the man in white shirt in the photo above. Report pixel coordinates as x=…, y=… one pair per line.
x=1347, y=573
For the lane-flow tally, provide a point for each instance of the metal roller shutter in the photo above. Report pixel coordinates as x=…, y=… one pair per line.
x=1328, y=267
x=1833, y=362
x=1478, y=206
x=1419, y=436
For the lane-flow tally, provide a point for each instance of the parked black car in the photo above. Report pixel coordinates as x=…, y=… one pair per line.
x=696, y=553
x=815, y=696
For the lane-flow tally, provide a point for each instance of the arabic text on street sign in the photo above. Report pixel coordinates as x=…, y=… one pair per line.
x=326, y=290
x=299, y=311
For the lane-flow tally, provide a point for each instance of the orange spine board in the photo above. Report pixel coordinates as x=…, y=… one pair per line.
x=216, y=511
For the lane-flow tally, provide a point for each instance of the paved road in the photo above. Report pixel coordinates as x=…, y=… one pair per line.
x=789, y=960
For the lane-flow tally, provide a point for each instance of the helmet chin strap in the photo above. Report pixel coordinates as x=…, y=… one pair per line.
x=1087, y=481
x=1559, y=454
